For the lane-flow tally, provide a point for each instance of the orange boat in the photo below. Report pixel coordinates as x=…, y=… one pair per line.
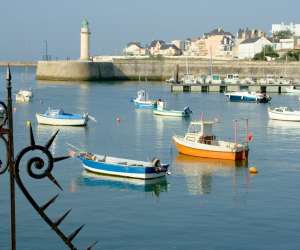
x=200, y=141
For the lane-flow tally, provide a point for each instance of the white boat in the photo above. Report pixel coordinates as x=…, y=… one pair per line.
x=213, y=79
x=24, y=96
x=232, y=79
x=102, y=164
x=171, y=80
x=161, y=110
x=284, y=114
x=293, y=90
x=2, y=111
x=188, y=79
x=58, y=117
x=142, y=101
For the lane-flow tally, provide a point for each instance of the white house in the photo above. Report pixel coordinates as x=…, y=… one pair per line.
x=169, y=50
x=249, y=47
x=134, y=49
x=293, y=28
x=179, y=44
x=285, y=44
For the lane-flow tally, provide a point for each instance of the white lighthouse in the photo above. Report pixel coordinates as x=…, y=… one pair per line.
x=84, y=40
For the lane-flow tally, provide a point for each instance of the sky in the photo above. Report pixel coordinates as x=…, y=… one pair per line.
x=26, y=25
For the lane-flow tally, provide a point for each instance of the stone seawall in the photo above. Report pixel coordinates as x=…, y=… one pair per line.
x=158, y=69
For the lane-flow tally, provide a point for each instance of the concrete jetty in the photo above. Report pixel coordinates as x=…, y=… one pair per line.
x=263, y=88
x=127, y=68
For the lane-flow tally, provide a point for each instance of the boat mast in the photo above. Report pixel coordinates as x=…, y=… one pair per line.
x=235, y=132
x=211, y=64
x=186, y=66
x=247, y=130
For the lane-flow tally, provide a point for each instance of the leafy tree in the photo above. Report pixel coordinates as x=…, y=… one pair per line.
x=284, y=34
x=267, y=51
x=292, y=55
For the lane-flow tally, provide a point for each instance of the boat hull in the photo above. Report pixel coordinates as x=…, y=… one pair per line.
x=173, y=113
x=61, y=122
x=247, y=98
x=284, y=117
x=214, y=154
x=121, y=170
x=144, y=105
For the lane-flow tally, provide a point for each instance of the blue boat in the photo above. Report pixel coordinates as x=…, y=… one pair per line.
x=102, y=164
x=245, y=96
x=143, y=102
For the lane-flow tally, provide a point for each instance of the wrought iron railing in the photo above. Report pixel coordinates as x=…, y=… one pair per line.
x=38, y=167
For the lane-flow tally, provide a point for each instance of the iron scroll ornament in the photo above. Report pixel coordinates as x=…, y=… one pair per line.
x=3, y=167
x=45, y=168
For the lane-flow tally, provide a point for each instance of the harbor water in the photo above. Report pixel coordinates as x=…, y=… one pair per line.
x=203, y=204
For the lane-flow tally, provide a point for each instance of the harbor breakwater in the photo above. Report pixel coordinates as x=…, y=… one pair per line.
x=159, y=69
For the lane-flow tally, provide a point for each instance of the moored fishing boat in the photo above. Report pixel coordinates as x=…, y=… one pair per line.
x=161, y=110
x=200, y=141
x=102, y=164
x=284, y=114
x=59, y=118
x=24, y=96
x=245, y=96
x=142, y=101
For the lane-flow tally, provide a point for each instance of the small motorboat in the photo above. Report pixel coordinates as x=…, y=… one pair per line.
x=161, y=110
x=201, y=142
x=284, y=114
x=107, y=165
x=24, y=96
x=59, y=118
x=188, y=79
x=293, y=90
x=142, y=101
x=245, y=96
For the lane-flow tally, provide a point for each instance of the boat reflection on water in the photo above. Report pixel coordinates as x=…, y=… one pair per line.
x=283, y=127
x=199, y=172
x=81, y=84
x=155, y=186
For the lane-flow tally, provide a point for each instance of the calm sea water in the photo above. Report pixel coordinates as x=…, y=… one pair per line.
x=203, y=204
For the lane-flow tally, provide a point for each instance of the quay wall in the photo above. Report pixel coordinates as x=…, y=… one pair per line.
x=159, y=69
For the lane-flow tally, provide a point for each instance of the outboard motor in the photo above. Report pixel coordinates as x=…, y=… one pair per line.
x=157, y=166
x=187, y=110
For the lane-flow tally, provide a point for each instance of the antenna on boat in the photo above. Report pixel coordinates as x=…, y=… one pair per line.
x=247, y=138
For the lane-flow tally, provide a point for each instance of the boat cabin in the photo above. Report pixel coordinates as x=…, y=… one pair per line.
x=142, y=95
x=200, y=131
x=232, y=78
